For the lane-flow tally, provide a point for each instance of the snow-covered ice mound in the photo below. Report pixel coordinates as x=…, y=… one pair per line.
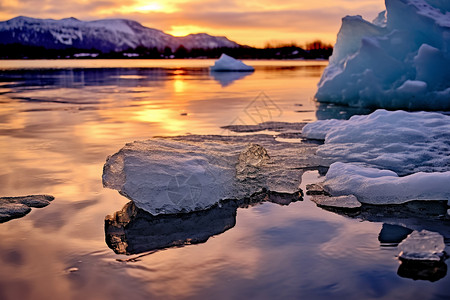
x=227, y=63
x=368, y=153
x=422, y=245
x=400, y=60
x=399, y=141
x=374, y=186
x=192, y=173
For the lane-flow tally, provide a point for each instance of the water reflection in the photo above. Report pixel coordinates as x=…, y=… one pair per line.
x=133, y=230
x=327, y=111
x=422, y=270
x=398, y=222
x=227, y=78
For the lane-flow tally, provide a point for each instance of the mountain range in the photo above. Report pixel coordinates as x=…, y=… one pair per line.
x=106, y=35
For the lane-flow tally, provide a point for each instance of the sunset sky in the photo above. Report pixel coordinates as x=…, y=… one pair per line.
x=251, y=22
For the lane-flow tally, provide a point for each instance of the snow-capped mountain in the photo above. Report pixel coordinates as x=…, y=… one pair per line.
x=105, y=35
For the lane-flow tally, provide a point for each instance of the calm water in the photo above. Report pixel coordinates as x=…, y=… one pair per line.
x=59, y=120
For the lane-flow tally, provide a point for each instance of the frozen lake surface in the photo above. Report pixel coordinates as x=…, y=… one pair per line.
x=60, y=120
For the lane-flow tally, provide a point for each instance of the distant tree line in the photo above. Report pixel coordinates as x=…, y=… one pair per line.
x=313, y=50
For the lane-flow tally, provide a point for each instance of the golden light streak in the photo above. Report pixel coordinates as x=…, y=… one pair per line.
x=168, y=119
x=184, y=30
x=141, y=7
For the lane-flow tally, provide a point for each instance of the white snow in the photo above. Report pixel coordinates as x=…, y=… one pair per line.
x=116, y=25
x=371, y=152
x=400, y=60
x=106, y=34
x=228, y=63
x=404, y=142
x=422, y=245
x=375, y=186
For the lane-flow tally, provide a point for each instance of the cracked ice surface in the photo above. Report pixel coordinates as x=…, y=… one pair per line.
x=422, y=245
x=191, y=173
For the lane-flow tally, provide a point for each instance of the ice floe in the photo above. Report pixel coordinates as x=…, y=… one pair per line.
x=192, y=173
x=400, y=60
x=375, y=186
x=17, y=207
x=386, y=157
x=400, y=141
x=422, y=245
x=344, y=202
x=227, y=63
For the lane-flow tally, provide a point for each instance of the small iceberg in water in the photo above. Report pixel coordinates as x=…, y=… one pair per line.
x=422, y=245
x=228, y=64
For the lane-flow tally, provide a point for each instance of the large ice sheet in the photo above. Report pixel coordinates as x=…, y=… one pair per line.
x=400, y=141
x=400, y=60
x=227, y=63
x=192, y=173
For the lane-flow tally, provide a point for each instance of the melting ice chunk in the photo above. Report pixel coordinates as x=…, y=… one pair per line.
x=422, y=245
x=372, y=153
x=374, y=186
x=227, y=63
x=396, y=140
x=192, y=173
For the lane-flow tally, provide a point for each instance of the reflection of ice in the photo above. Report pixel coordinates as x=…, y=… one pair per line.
x=327, y=111
x=227, y=78
x=423, y=270
x=401, y=220
x=132, y=230
x=414, y=215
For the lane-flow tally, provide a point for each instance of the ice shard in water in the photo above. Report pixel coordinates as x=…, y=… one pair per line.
x=228, y=64
x=422, y=245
